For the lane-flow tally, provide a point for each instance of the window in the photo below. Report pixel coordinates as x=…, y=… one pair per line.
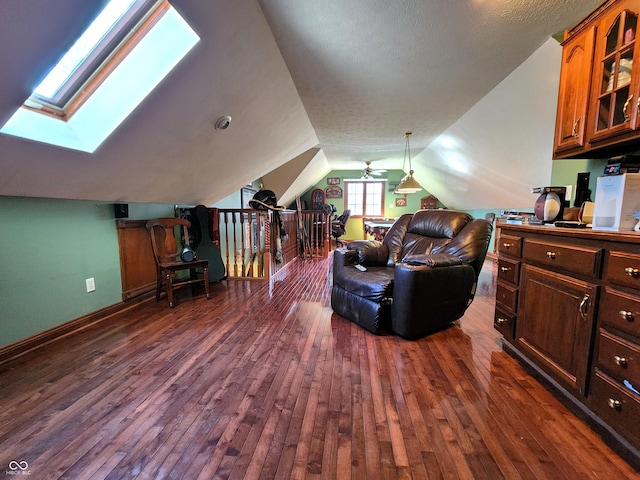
x=101, y=41
x=90, y=93
x=365, y=199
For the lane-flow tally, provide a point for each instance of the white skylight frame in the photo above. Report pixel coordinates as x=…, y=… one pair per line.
x=116, y=95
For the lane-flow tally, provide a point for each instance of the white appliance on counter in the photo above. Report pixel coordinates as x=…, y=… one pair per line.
x=617, y=200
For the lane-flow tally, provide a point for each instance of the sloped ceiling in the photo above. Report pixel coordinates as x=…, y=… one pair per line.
x=311, y=86
x=167, y=150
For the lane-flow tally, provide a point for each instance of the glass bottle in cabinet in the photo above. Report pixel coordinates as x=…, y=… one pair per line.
x=617, y=97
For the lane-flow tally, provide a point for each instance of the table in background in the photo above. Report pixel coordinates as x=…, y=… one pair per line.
x=377, y=227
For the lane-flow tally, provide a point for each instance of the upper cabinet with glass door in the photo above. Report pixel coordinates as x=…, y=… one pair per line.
x=615, y=87
x=599, y=95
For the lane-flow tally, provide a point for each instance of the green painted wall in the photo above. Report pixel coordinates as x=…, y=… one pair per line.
x=565, y=172
x=49, y=247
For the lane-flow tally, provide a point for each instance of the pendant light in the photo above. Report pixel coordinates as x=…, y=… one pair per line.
x=408, y=184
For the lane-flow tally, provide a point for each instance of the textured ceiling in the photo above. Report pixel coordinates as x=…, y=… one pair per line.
x=369, y=70
x=311, y=85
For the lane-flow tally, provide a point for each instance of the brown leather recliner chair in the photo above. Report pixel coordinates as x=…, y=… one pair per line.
x=421, y=277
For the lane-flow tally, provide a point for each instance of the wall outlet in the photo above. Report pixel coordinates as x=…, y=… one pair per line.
x=91, y=284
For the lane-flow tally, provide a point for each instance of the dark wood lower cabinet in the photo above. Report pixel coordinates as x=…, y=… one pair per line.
x=555, y=324
x=573, y=315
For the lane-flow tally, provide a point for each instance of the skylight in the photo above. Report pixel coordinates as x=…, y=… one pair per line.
x=87, y=43
x=127, y=50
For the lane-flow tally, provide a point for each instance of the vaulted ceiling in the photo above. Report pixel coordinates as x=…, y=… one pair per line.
x=311, y=87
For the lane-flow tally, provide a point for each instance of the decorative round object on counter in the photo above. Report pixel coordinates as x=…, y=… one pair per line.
x=547, y=207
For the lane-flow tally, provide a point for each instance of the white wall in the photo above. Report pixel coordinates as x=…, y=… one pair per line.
x=492, y=156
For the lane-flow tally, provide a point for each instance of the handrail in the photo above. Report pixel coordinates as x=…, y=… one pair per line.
x=255, y=244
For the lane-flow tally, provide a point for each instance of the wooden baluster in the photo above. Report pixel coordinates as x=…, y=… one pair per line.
x=226, y=241
x=327, y=235
x=235, y=244
x=266, y=254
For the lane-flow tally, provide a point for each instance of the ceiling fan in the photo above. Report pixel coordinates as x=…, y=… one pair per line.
x=368, y=172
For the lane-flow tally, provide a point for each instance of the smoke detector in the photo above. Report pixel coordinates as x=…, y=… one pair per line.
x=223, y=122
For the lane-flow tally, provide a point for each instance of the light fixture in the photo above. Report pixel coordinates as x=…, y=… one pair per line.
x=408, y=184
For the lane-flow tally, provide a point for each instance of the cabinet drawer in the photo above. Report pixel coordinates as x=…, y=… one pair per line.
x=619, y=358
x=507, y=296
x=616, y=405
x=508, y=270
x=624, y=269
x=621, y=310
x=504, y=322
x=510, y=245
x=571, y=258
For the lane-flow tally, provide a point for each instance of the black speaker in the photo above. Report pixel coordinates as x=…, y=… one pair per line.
x=121, y=210
x=583, y=194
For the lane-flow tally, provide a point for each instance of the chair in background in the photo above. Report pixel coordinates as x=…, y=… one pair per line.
x=168, y=261
x=339, y=226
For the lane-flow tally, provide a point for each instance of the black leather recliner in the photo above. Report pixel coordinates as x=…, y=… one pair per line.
x=421, y=277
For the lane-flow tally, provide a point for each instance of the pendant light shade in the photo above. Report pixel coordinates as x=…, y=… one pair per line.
x=408, y=184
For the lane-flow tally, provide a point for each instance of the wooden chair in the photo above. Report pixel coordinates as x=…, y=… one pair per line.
x=168, y=262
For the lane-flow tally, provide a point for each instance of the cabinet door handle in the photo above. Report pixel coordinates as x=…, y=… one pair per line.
x=551, y=255
x=620, y=361
x=625, y=315
x=583, y=306
x=574, y=131
x=506, y=245
x=625, y=107
x=501, y=321
x=631, y=272
x=504, y=269
x=615, y=404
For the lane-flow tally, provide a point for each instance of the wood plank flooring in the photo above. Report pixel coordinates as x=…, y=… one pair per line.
x=264, y=381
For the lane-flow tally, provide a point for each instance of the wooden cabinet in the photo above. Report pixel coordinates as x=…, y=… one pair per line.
x=429, y=202
x=615, y=87
x=555, y=324
x=568, y=305
x=558, y=295
x=616, y=375
x=599, y=94
x=573, y=97
x=509, y=250
x=137, y=261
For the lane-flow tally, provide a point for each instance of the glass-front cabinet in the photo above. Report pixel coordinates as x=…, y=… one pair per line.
x=615, y=87
x=599, y=96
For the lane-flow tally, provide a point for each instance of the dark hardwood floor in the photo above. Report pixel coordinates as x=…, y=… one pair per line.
x=264, y=381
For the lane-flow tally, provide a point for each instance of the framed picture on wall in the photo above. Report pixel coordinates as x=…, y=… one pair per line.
x=333, y=181
x=333, y=192
x=401, y=202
